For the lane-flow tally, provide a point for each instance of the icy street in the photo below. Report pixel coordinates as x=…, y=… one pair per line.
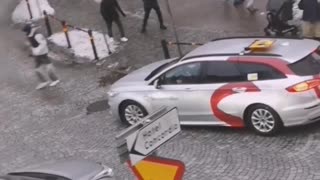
x=53, y=124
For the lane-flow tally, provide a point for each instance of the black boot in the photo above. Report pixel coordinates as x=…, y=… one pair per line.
x=163, y=27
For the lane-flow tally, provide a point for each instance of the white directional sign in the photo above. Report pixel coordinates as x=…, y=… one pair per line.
x=158, y=132
x=157, y=129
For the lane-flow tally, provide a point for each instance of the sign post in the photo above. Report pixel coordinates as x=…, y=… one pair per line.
x=142, y=139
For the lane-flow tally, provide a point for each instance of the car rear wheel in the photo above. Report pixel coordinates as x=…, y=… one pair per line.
x=131, y=112
x=264, y=120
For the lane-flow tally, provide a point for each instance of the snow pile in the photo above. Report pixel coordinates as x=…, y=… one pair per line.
x=81, y=44
x=21, y=13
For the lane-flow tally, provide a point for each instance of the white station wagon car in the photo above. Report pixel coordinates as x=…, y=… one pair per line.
x=258, y=82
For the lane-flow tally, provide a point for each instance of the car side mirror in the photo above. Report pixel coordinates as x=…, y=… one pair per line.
x=157, y=84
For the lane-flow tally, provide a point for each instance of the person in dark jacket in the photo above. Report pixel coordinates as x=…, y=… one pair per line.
x=39, y=48
x=311, y=18
x=109, y=11
x=148, y=6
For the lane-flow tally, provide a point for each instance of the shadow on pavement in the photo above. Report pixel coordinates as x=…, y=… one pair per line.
x=289, y=131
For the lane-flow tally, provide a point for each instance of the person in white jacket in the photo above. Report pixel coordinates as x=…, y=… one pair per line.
x=39, y=48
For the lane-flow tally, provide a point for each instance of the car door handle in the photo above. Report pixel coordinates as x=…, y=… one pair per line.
x=188, y=89
x=173, y=98
x=163, y=97
x=239, y=89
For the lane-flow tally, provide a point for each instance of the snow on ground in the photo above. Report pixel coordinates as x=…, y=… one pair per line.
x=81, y=45
x=21, y=12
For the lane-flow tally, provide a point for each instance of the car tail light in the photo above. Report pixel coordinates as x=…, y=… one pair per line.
x=304, y=86
x=317, y=50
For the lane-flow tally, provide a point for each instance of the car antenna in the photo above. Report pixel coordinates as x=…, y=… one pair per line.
x=174, y=28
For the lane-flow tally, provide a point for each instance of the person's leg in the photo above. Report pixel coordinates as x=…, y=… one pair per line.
x=120, y=26
x=249, y=4
x=250, y=7
x=39, y=73
x=159, y=14
x=145, y=19
x=307, y=29
x=109, y=27
x=39, y=69
x=51, y=72
x=41, y=77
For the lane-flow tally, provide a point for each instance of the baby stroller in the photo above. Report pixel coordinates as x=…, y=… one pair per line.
x=279, y=13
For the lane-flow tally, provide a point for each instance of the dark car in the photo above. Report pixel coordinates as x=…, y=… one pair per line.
x=62, y=170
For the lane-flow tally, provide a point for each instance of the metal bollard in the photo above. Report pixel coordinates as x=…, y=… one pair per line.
x=165, y=49
x=29, y=9
x=47, y=22
x=93, y=45
x=66, y=32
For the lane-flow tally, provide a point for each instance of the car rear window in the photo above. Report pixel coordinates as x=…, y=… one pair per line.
x=308, y=66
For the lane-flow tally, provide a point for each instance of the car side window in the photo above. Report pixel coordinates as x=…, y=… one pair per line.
x=185, y=74
x=221, y=72
x=259, y=71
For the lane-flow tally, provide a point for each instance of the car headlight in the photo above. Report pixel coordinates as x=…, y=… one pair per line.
x=112, y=93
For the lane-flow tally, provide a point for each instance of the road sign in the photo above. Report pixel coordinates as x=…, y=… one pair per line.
x=143, y=138
x=156, y=133
x=157, y=168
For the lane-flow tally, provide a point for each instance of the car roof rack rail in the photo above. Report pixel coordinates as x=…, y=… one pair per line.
x=232, y=54
x=256, y=37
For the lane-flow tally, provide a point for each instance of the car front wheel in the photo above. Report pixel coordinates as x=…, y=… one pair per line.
x=131, y=112
x=264, y=120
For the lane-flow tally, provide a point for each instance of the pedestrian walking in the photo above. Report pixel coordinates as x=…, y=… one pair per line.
x=148, y=6
x=311, y=18
x=109, y=11
x=39, y=49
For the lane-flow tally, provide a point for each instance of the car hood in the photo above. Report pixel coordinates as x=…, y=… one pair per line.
x=138, y=76
x=72, y=169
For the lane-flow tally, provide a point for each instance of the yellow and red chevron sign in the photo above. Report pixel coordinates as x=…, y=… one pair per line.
x=158, y=168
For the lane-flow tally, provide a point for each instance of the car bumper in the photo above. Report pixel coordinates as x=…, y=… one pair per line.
x=302, y=114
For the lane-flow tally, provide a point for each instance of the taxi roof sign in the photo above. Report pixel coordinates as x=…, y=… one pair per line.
x=261, y=45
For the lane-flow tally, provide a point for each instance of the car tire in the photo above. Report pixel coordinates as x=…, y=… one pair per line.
x=263, y=120
x=131, y=112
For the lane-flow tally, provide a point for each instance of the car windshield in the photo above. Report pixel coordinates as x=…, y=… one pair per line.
x=160, y=68
x=308, y=66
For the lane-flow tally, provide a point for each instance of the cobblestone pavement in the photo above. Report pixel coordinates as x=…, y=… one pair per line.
x=52, y=124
